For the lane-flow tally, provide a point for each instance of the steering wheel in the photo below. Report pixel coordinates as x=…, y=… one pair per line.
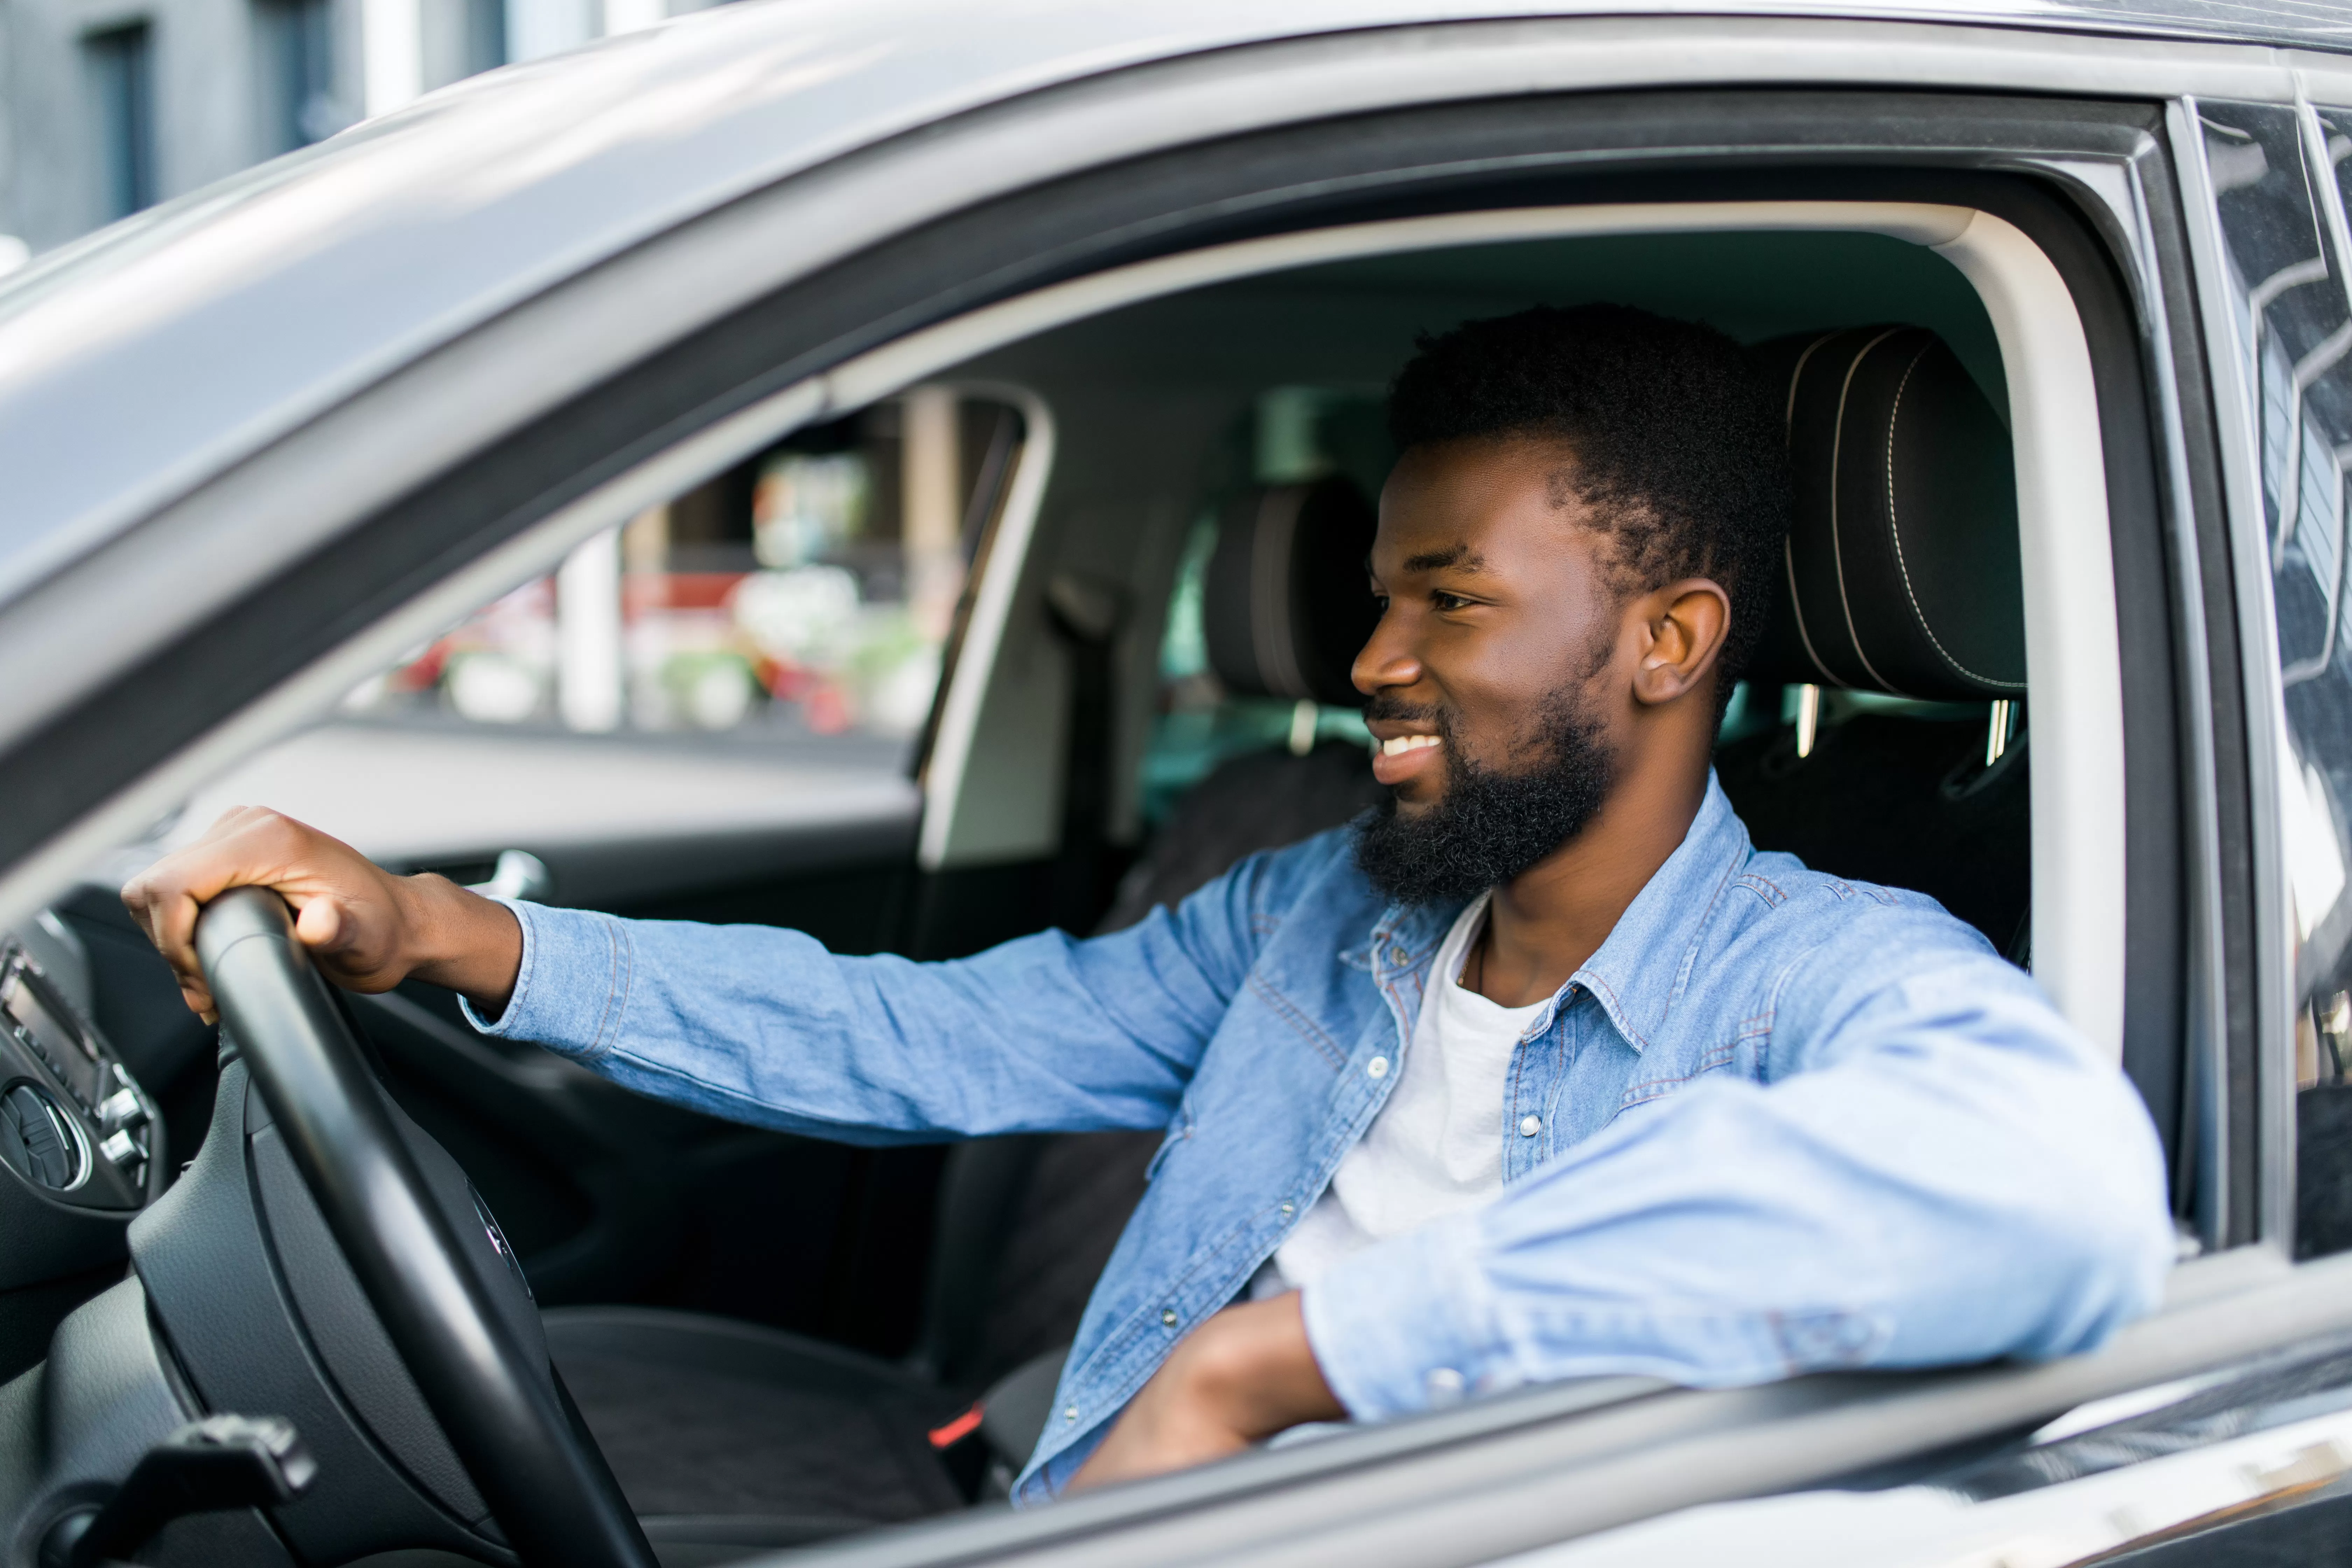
x=501, y=1408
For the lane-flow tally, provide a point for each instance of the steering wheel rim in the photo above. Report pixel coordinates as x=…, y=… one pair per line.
x=544, y=1479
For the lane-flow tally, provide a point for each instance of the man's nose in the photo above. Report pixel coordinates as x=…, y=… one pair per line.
x=1387, y=658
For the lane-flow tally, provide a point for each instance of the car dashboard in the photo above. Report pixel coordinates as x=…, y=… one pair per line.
x=74, y=1124
x=80, y=1137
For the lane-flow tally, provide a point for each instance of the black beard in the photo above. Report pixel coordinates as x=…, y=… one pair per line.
x=1488, y=827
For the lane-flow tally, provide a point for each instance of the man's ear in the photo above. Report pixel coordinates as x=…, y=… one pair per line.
x=1683, y=627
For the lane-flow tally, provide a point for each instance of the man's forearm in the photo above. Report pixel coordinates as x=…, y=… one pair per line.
x=1245, y=1374
x=1962, y=1183
x=763, y=1025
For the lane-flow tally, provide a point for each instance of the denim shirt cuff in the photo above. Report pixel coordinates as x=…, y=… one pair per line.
x=1408, y=1324
x=572, y=988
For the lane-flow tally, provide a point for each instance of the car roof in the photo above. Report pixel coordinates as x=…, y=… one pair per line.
x=139, y=361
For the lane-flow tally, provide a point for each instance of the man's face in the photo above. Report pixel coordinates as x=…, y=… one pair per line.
x=1488, y=671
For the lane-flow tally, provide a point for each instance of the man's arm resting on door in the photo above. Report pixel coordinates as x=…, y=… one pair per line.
x=1949, y=1174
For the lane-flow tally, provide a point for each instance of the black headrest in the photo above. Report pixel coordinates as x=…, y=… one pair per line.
x=1284, y=609
x=1900, y=570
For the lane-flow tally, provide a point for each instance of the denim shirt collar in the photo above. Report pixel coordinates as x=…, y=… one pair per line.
x=1642, y=969
x=1636, y=975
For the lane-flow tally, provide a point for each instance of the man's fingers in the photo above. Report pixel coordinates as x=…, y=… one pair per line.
x=321, y=927
x=171, y=925
x=345, y=912
x=200, y=1002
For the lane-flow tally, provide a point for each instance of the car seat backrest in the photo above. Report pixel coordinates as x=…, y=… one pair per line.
x=1900, y=574
x=1284, y=608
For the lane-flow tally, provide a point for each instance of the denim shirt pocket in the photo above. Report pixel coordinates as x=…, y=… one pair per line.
x=1179, y=1130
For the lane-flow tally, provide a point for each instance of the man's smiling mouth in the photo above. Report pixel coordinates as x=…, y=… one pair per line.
x=1397, y=759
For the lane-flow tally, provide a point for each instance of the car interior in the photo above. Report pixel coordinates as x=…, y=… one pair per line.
x=777, y=1339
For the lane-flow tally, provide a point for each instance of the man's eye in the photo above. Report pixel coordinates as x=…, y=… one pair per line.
x=1445, y=601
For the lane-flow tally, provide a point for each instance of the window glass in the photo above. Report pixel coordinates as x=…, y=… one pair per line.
x=804, y=597
x=2279, y=180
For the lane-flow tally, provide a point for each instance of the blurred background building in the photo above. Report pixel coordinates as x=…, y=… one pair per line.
x=109, y=106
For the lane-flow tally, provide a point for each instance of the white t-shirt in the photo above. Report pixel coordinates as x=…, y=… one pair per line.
x=1436, y=1147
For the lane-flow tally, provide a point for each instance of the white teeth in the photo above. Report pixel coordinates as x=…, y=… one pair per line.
x=1399, y=745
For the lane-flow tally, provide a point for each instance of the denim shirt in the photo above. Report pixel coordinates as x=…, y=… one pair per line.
x=1780, y=1122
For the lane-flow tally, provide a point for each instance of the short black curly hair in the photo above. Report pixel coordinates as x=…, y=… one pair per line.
x=1675, y=442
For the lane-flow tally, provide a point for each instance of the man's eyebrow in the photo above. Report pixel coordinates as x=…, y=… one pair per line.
x=1459, y=557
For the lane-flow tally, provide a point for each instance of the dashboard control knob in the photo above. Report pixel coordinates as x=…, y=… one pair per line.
x=120, y=1148
x=119, y=1108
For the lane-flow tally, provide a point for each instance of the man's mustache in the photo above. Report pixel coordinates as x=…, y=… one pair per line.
x=1387, y=706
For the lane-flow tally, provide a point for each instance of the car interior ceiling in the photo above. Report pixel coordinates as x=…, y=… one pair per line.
x=772, y=1338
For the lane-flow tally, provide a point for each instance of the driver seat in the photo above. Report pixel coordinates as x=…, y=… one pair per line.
x=729, y=1437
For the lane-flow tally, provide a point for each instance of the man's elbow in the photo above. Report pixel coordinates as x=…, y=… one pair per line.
x=2105, y=1227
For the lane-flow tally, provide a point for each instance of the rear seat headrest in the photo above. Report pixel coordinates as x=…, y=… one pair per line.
x=1285, y=608
x=1900, y=574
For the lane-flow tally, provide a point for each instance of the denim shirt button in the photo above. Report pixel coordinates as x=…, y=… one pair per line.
x=1376, y=1068
x=1530, y=1125
x=1445, y=1385
x=1397, y=956
x=1168, y=1316
x=1071, y=1414
x=1288, y=1209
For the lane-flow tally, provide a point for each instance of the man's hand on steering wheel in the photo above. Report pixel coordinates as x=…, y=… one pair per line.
x=366, y=929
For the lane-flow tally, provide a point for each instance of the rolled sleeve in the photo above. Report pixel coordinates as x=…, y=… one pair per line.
x=571, y=988
x=1408, y=1324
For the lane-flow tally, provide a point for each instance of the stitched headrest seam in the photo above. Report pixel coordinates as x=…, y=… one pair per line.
x=1788, y=552
x=1894, y=534
x=1837, y=547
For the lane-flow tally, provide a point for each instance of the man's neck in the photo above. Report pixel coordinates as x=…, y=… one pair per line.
x=1544, y=923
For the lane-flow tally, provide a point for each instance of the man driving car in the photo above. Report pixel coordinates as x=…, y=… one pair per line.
x=1540, y=1071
